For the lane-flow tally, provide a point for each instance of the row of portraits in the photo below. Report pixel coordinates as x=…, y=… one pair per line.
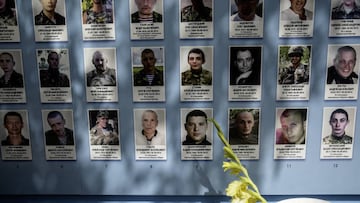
x=196, y=74
x=196, y=19
x=290, y=136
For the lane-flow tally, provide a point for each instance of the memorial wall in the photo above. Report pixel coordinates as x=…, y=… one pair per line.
x=112, y=97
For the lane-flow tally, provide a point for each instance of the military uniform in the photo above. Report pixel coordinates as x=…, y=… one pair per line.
x=189, y=14
x=191, y=77
x=287, y=76
x=42, y=19
x=8, y=18
x=140, y=79
x=340, y=13
x=331, y=139
x=99, y=18
x=103, y=136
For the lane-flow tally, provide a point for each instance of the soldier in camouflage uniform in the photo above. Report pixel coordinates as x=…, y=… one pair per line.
x=196, y=75
x=149, y=75
x=339, y=119
x=102, y=133
x=346, y=10
x=196, y=12
x=99, y=13
x=297, y=72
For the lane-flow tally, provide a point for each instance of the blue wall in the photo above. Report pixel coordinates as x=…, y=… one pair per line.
x=180, y=181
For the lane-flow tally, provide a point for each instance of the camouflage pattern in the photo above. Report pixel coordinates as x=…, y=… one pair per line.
x=340, y=13
x=204, y=77
x=345, y=139
x=188, y=14
x=101, y=136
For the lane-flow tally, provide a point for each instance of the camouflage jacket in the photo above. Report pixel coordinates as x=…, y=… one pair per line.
x=345, y=139
x=340, y=13
x=188, y=14
x=204, y=77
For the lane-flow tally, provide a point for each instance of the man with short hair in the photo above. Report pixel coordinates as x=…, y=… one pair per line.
x=52, y=77
x=103, y=75
x=103, y=132
x=145, y=12
x=14, y=124
x=246, y=11
x=196, y=75
x=297, y=72
x=11, y=78
x=296, y=11
x=197, y=11
x=242, y=132
x=59, y=134
x=196, y=126
x=48, y=16
x=293, y=127
x=149, y=134
x=347, y=9
x=149, y=75
x=339, y=119
x=342, y=72
x=98, y=13
x=243, y=71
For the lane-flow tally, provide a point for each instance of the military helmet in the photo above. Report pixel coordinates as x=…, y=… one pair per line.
x=295, y=51
x=104, y=114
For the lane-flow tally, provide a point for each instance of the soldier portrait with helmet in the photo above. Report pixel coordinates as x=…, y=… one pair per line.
x=293, y=67
x=104, y=132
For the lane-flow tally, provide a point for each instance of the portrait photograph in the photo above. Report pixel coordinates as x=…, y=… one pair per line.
x=296, y=10
x=150, y=125
x=345, y=9
x=11, y=71
x=55, y=12
x=15, y=128
x=245, y=65
x=196, y=65
x=195, y=11
x=58, y=127
x=338, y=125
x=97, y=11
x=244, y=126
x=53, y=67
x=148, y=66
x=146, y=12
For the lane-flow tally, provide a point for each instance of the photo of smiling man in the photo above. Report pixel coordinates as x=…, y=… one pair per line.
x=342, y=72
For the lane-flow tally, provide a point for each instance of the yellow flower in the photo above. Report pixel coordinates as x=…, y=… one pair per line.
x=242, y=190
